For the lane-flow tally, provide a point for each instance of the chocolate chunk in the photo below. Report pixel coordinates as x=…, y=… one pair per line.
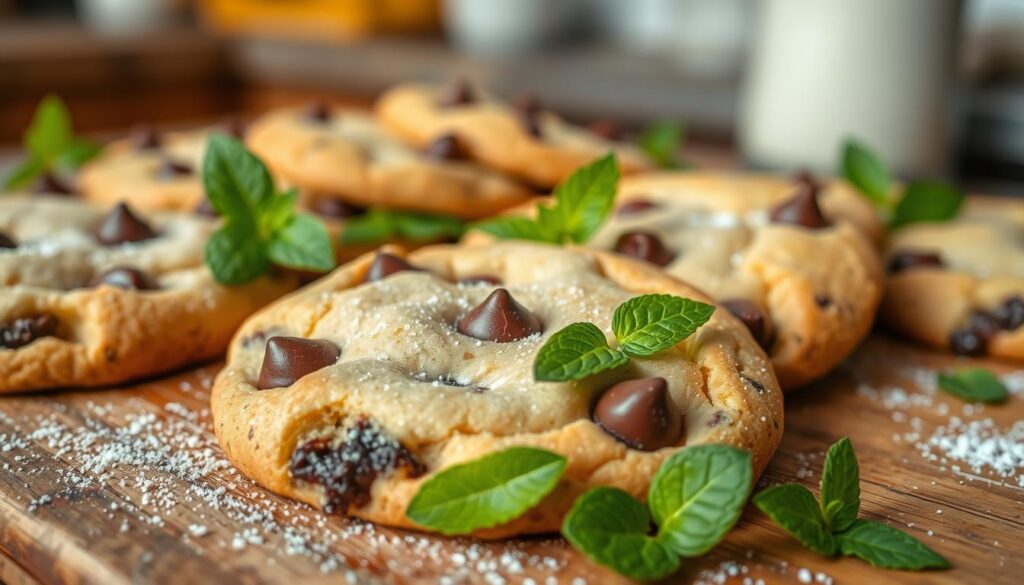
x=822, y=300
x=145, y=138
x=121, y=225
x=317, y=111
x=126, y=278
x=640, y=413
x=907, y=259
x=645, y=246
x=973, y=338
x=23, y=331
x=607, y=129
x=529, y=109
x=384, y=265
x=635, y=207
x=51, y=184
x=460, y=94
x=173, y=170
x=347, y=470
x=753, y=317
x=446, y=147
x=499, y=318
x=7, y=242
x=335, y=208
x=1011, y=313
x=480, y=279
x=289, y=358
x=802, y=208
x=206, y=208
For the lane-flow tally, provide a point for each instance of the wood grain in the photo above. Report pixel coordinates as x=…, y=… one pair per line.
x=103, y=527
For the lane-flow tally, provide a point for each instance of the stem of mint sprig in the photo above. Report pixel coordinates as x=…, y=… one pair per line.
x=51, y=145
x=261, y=226
x=383, y=225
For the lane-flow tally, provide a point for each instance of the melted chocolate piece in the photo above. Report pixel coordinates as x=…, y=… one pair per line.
x=528, y=109
x=480, y=279
x=384, y=265
x=802, y=208
x=6, y=242
x=907, y=259
x=753, y=317
x=335, y=208
x=645, y=246
x=121, y=225
x=347, y=471
x=499, y=318
x=145, y=138
x=822, y=300
x=50, y=184
x=460, y=94
x=126, y=278
x=635, y=207
x=23, y=331
x=317, y=111
x=289, y=358
x=607, y=129
x=973, y=338
x=446, y=147
x=640, y=413
x=1011, y=313
x=173, y=170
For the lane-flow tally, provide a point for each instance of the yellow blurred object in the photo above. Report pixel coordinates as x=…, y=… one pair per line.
x=319, y=19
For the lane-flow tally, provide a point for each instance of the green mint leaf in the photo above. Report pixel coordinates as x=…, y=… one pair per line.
x=50, y=132
x=302, y=243
x=486, y=492
x=610, y=527
x=648, y=324
x=886, y=547
x=278, y=212
x=373, y=228
x=77, y=153
x=840, y=486
x=975, y=385
x=236, y=182
x=584, y=200
x=24, y=174
x=927, y=201
x=515, y=228
x=662, y=141
x=575, y=352
x=234, y=255
x=866, y=171
x=793, y=507
x=698, y=495
x=427, y=227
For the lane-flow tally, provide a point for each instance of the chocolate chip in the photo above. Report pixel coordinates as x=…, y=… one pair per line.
x=528, y=108
x=50, y=184
x=205, y=208
x=170, y=169
x=753, y=317
x=607, y=129
x=346, y=471
x=499, y=318
x=126, y=278
x=317, y=111
x=384, y=265
x=1011, y=313
x=822, y=300
x=480, y=279
x=973, y=338
x=640, y=413
x=145, y=138
x=446, y=147
x=460, y=94
x=645, y=246
x=907, y=259
x=802, y=208
x=6, y=242
x=121, y=225
x=635, y=207
x=335, y=208
x=23, y=331
x=289, y=358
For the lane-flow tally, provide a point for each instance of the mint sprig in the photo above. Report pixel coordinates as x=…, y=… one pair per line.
x=974, y=384
x=51, y=145
x=661, y=141
x=486, y=492
x=695, y=498
x=382, y=225
x=832, y=526
x=260, y=225
x=921, y=201
x=582, y=203
x=643, y=326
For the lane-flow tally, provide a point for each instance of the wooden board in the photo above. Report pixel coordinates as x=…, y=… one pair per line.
x=120, y=486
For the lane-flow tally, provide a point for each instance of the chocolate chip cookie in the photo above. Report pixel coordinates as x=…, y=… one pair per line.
x=352, y=392
x=96, y=296
x=959, y=285
x=334, y=154
x=524, y=140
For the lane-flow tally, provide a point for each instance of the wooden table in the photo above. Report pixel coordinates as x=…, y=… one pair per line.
x=157, y=502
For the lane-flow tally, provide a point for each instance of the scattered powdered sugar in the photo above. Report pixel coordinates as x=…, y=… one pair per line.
x=741, y=572
x=980, y=445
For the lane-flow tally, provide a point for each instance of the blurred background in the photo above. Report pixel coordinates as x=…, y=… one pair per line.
x=935, y=86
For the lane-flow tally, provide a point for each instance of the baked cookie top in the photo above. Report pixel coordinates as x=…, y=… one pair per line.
x=346, y=154
x=414, y=365
x=960, y=284
x=526, y=141
x=95, y=296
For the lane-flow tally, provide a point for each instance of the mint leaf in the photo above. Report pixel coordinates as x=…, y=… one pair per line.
x=302, y=243
x=77, y=153
x=50, y=132
x=236, y=182
x=927, y=201
x=648, y=324
x=583, y=201
x=25, y=173
x=840, y=486
x=975, y=385
x=662, y=141
x=486, y=492
x=698, y=495
x=577, y=351
x=794, y=508
x=277, y=213
x=866, y=171
x=234, y=255
x=515, y=228
x=427, y=227
x=610, y=527
x=886, y=547
x=374, y=227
